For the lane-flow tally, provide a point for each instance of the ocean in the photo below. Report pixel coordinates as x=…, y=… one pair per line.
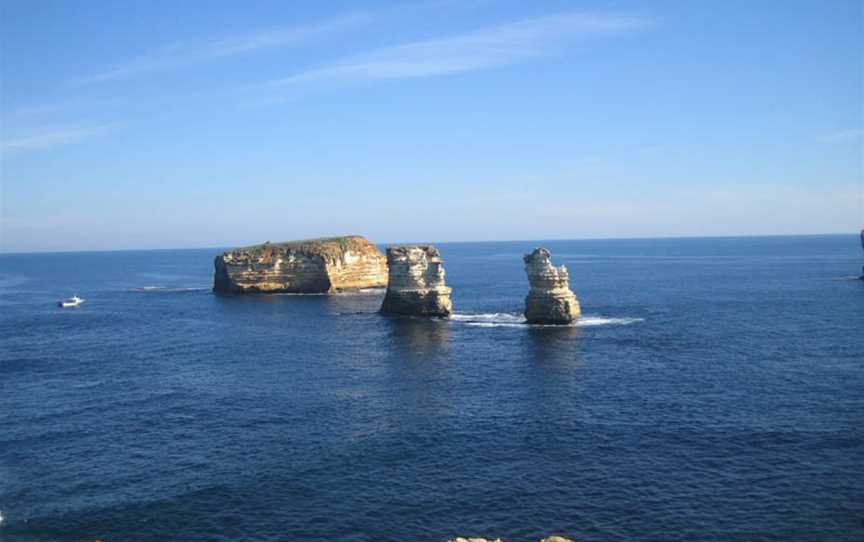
x=714, y=390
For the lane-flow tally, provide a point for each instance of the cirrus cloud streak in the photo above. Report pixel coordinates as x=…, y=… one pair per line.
x=482, y=49
x=51, y=138
x=185, y=53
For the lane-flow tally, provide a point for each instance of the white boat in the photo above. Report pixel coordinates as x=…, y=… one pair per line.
x=73, y=301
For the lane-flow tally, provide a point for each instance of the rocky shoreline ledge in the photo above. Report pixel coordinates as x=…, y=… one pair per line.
x=310, y=266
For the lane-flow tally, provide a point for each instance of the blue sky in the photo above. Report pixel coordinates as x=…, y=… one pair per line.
x=166, y=124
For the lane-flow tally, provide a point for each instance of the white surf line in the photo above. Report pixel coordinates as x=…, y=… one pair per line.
x=501, y=319
x=169, y=289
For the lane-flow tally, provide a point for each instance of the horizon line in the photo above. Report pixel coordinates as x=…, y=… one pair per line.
x=646, y=238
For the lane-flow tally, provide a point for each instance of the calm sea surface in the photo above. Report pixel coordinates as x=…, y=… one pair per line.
x=714, y=391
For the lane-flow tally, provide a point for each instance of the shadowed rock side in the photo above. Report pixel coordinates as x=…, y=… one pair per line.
x=310, y=266
x=550, y=300
x=416, y=282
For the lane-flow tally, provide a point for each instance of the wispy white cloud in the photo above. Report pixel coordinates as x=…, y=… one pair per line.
x=185, y=53
x=51, y=138
x=478, y=50
x=36, y=110
x=842, y=136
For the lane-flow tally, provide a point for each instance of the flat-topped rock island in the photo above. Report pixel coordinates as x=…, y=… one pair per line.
x=309, y=266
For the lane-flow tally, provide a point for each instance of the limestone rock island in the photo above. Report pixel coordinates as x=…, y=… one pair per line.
x=309, y=266
x=416, y=285
x=550, y=300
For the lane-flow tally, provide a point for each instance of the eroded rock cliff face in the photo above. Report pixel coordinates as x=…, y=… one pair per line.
x=550, y=300
x=416, y=285
x=311, y=266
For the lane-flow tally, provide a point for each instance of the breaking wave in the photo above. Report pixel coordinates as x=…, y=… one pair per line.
x=364, y=291
x=588, y=321
x=505, y=319
x=491, y=317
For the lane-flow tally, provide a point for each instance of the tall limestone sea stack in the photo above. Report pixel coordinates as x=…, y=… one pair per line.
x=550, y=300
x=310, y=266
x=416, y=285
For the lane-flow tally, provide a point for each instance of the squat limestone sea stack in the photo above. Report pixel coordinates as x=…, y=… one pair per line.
x=550, y=300
x=325, y=265
x=416, y=282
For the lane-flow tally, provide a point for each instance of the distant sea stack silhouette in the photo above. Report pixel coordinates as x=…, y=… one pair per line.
x=550, y=300
x=416, y=282
x=309, y=266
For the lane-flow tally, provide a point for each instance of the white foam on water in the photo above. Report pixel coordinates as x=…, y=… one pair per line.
x=363, y=291
x=346, y=293
x=504, y=319
x=489, y=317
x=152, y=289
x=372, y=290
x=588, y=321
x=495, y=324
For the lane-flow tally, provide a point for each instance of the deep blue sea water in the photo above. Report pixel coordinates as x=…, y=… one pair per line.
x=715, y=391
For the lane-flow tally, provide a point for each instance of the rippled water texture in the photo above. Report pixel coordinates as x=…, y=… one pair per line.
x=714, y=391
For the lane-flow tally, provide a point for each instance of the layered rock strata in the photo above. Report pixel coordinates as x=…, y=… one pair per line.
x=550, y=300
x=310, y=266
x=416, y=282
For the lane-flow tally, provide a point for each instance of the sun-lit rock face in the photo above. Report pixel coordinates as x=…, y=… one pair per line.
x=311, y=266
x=550, y=300
x=416, y=282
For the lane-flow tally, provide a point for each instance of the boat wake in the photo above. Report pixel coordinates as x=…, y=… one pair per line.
x=505, y=319
x=168, y=289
